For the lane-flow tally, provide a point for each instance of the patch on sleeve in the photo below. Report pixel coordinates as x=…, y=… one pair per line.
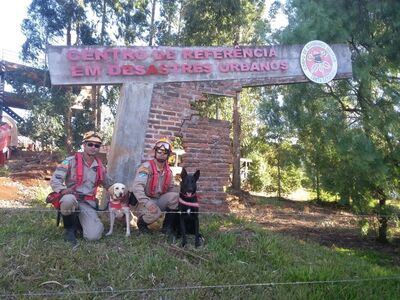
x=143, y=169
x=64, y=164
x=142, y=174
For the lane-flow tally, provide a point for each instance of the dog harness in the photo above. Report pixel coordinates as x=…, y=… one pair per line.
x=154, y=178
x=191, y=204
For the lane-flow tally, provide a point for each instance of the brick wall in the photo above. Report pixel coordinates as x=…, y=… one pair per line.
x=208, y=149
x=206, y=142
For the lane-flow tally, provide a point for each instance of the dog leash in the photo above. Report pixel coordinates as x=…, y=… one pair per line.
x=96, y=208
x=58, y=217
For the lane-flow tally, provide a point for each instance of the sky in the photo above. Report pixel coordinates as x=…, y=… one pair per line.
x=11, y=38
x=12, y=14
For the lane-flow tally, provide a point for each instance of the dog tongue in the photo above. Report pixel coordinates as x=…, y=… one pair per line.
x=188, y=195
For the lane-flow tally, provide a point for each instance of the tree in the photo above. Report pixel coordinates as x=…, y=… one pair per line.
x=278, y=134
x=369, y=102
x=232, y=22
x=92, y=23
x=48, y=22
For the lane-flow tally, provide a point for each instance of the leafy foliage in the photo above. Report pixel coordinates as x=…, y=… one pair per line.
x=223, y=22
x=348, y=130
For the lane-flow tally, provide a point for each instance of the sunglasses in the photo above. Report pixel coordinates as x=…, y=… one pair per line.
x=93, y=144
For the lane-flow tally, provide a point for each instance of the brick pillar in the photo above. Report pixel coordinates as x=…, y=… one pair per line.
x=208, y=149
x=205, y=141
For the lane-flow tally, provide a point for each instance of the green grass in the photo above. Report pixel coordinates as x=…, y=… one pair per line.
x=239, y=260
x=4, y=172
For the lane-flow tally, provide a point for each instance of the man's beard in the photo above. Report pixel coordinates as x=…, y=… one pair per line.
x=91, y=154
x=161, y=160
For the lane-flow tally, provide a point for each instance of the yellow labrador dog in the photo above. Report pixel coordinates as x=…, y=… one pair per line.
x=119, y=207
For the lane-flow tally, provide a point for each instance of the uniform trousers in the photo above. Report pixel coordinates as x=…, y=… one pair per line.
x=92, y=226
x=152, y=209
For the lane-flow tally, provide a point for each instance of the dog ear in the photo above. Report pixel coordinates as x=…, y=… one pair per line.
x=125, y=190
x=183, y=173
x=111, y=189
x=196, y=175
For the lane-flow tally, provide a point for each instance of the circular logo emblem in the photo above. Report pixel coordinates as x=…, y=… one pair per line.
x=318, y=62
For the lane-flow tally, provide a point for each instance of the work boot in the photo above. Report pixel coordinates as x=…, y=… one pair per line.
x=142, y=226
x=70, y=225
x=169, y=223
x=79, y=229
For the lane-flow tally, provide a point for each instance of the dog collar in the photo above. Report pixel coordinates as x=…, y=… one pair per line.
x=116, y=204
x=195, y=204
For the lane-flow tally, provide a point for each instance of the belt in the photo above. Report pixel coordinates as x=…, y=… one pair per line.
x=86, y=197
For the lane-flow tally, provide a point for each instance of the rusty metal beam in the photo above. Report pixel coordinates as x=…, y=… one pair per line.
x=37, y=76
x=13, y=100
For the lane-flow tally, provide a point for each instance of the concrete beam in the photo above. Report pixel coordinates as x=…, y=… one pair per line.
x=129, y=131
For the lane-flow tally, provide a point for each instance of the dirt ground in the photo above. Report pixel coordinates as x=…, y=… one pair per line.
x=328, y=226
x=24, y=171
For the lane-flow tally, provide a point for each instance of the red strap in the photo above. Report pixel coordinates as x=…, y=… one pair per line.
x=167, y=177
x=99, y=175
x=154, y=179
x=192, y=204
x=79, y=169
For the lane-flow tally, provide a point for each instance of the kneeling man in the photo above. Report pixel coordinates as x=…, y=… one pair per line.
x=154, y=187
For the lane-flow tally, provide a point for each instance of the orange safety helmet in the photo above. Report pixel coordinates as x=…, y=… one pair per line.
x=164, y=143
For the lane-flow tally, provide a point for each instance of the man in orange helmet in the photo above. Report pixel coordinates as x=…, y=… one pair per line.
x=154, y=187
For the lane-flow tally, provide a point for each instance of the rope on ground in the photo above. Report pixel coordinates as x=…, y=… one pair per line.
x=201, y=287
x=272, y=214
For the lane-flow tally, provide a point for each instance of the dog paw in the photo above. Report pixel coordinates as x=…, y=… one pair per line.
x=171, y=238
x=128, y=234
x=199, y=242
x=108, y=233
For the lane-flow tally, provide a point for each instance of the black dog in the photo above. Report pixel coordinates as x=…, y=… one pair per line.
x=186, y=221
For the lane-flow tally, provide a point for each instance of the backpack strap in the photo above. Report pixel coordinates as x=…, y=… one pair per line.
x=154, y=178
x=99, y=175
x=167, y=177
x=79, y=169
